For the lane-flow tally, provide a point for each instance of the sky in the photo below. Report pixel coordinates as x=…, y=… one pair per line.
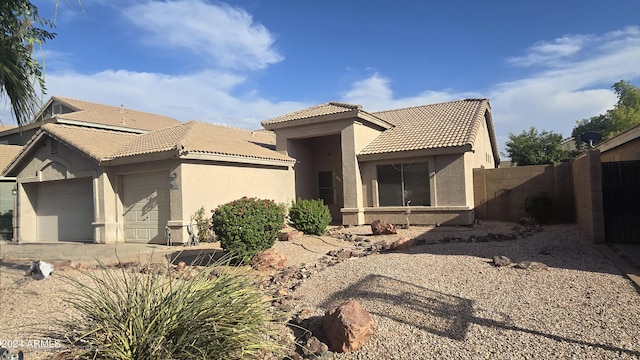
x=544, y=63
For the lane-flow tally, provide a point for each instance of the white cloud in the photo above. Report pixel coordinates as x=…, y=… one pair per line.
x=548, y=53
x=374, y=94
x=226, y=35
x=575, y=85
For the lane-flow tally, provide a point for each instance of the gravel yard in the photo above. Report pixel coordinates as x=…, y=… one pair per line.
x=443, y=300
x=447, y=301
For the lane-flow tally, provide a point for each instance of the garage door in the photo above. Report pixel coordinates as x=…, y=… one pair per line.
x=145, y=198
x=64, y=210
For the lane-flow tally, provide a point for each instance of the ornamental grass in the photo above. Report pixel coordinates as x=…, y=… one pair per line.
x=125, y=314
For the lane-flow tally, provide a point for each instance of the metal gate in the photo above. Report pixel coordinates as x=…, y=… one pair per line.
x=621, y=201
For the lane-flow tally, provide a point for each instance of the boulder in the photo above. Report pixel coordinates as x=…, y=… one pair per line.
x=347, y=326
x=269, y=259
x=380, y=227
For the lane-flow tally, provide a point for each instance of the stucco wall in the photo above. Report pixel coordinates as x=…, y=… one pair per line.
x=480, y=157
x=210, y=185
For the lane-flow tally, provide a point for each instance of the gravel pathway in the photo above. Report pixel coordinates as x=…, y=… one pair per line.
x=447, y=301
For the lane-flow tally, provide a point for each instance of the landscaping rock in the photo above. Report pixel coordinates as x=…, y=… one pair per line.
x=531, y=265
x=500, y=261
x=315, y=347
x=269, y=259
x=380, y=227
x=402, y=244
x=341, y=254
x=347, y=326
x=290, y=235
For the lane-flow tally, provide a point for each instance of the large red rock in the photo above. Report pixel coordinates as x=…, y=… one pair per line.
x=269, y=259
x=380, y=227
x=347, y=326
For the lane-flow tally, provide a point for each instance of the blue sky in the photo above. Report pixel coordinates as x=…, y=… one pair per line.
x=544, y=63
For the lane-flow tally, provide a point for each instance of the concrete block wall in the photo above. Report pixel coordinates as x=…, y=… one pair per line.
x=586, y=174
x=499, y=193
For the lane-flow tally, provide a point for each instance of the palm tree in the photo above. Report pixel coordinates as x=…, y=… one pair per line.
x=20, y=72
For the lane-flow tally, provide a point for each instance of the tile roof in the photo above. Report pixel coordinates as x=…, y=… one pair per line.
x=113, y=116
x=7, y=127
x=447, y=124
x=7, y=154
x=97, y=143
x=202, y=138
x=318, y=110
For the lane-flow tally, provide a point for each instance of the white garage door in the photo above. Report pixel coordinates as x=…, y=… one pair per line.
x=64, y=210
x=145, y=198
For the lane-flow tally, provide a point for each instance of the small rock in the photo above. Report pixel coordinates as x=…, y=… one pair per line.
x=315, y=347
x=402, y=244
x=531, y=265
x=500, y=261
x=269, y=259
x=181, y=265
x=290, y=235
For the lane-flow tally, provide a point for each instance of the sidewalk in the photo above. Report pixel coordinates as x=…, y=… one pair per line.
x=91, y=254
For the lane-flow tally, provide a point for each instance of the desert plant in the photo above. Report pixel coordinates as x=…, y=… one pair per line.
x=203, y=224
x=247, y=226
x=310, y=216
x=130, y=315
x=539, y=206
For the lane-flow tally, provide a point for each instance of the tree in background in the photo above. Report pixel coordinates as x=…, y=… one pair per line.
x=534, y=148
x=624, y=115
x=21, y=75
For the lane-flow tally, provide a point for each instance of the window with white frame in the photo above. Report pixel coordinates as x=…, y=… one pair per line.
x=403, y=184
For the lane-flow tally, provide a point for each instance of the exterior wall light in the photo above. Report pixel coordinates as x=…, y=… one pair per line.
x=173, y=182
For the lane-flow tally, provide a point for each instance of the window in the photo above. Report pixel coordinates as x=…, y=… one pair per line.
x=325, y=187
x=400, y=183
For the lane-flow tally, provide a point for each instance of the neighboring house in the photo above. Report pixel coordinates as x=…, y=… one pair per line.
x=7, y=191
x=374, y=165
x=62, y=110
x=103, y=181
x=622, y=147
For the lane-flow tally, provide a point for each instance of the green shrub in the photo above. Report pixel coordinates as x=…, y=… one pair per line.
x=247, y=226
x=539, y=205
x=122, y=314
x=310, y=216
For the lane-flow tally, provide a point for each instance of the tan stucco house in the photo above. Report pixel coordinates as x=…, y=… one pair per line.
x=95, y=173
x=368, y=166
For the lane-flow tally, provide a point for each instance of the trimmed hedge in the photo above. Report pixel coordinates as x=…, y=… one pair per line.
x=310, y=216
x=248, y=226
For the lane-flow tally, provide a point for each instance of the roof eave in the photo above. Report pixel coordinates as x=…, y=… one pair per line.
x=620, y=139
x=415, y=153
x=345, y=115
x=22, y=154
x=62, y=120
x=237, y=159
